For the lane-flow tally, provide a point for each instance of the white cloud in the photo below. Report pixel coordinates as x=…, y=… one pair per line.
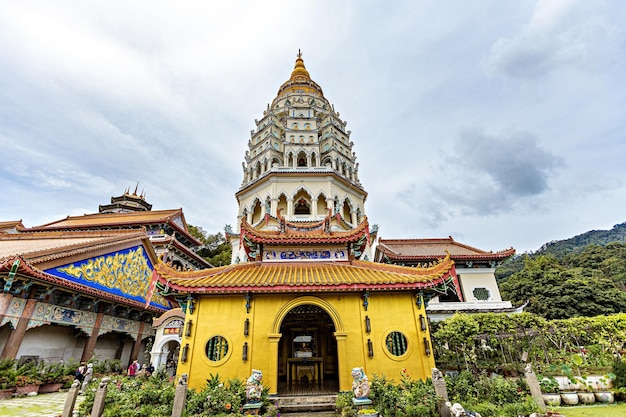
x=560, y=33
x=97, y=96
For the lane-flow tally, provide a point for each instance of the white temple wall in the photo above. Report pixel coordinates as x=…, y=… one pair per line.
x=478, y=278
x=60, y=343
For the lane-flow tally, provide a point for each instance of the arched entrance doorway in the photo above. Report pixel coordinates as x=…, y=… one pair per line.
x=307, y=352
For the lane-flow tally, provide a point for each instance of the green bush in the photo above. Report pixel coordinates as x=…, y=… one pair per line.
x=619, y=370
x=222, y=399
x=409, y=398
x=343, y=403
x=134, y=397
x=491, y=397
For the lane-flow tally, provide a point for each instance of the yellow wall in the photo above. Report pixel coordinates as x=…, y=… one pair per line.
x=225, y=316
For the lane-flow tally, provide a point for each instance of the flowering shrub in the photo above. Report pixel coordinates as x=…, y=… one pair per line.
x=224, y=399
x=409, y=398
x=216, y=398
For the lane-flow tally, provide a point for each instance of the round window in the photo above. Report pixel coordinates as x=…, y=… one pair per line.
x=396, y=343
x=216, y=348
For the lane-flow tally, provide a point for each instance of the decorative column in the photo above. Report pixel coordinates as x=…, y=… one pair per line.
x=273, y=365
x=14, y=341
x=330, y=205
x=289, y=214
x=353, y=216
x=274, y=206
x=93, y=338
x=343, y=367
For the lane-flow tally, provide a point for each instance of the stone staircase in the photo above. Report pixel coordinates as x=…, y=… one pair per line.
x=304, y=406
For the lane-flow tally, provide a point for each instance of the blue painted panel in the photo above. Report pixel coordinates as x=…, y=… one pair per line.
x=125, y=273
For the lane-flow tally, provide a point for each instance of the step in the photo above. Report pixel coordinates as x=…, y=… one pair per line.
x=306, y=404
x=310, y=414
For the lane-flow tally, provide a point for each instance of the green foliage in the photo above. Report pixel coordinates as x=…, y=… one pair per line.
x=215, y=248
x=216, y=397
x=489, y=396
x=524, y=407
x=549, y=384
x=581, y=276
x=343, y=403
x=221, y=399
x=461, y=386
x=8, y=373
x=557, y=289
x=385, y=394
x=619, y=370
x=409, y=398
x=495, y=342
x=134, y=397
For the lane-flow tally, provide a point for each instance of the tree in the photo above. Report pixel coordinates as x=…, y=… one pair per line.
x=215, y=249
x=555, y=291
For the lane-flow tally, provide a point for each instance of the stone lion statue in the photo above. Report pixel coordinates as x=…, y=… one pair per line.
x=254, y=389
x=457, y=410
x=360, y=385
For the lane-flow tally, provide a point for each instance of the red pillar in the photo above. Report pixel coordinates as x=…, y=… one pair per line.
x=93, y=338
x=5, y=302
x=134, y=354
x=16, y=336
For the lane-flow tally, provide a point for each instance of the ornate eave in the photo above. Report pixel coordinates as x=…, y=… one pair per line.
x=26, y=270
x=304, y=233
x=298, y=277
x=121, y=221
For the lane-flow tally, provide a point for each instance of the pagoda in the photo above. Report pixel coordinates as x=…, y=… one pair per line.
x=302, y=300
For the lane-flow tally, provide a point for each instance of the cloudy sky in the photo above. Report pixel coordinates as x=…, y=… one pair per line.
x=500, y=123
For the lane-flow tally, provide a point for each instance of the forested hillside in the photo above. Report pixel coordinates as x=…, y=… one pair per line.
x=560, y=248
x=581, y=276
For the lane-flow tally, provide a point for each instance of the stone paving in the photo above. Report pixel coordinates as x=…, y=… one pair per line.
x=42, y=405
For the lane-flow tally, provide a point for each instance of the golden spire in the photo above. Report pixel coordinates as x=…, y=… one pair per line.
x=299, y=69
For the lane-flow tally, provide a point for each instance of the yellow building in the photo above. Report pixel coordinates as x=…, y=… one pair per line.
x=302, y=301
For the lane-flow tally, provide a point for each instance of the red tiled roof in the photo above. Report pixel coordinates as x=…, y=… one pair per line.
x=305, y=277
x=426, y=249
x=303, y=237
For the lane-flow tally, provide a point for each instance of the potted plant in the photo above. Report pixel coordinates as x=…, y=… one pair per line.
x=28, y=379
x=8, y=375
x=367, y=412
x=602, y=390
x=585, y=394
x=550, y=390
x=52, y=378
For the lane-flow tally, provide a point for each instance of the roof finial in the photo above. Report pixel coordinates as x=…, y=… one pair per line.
x=136, y=186
x=299, y=68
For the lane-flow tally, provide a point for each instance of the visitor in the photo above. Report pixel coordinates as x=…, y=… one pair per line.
x=132, y=369
x=149, y=370
x=87, y=378
x=80, y=372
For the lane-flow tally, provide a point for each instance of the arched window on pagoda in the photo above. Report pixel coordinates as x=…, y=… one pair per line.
x=256, y=212
x=302, y=207
x=345, y=212
x=302, y=159
x=322, y=210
